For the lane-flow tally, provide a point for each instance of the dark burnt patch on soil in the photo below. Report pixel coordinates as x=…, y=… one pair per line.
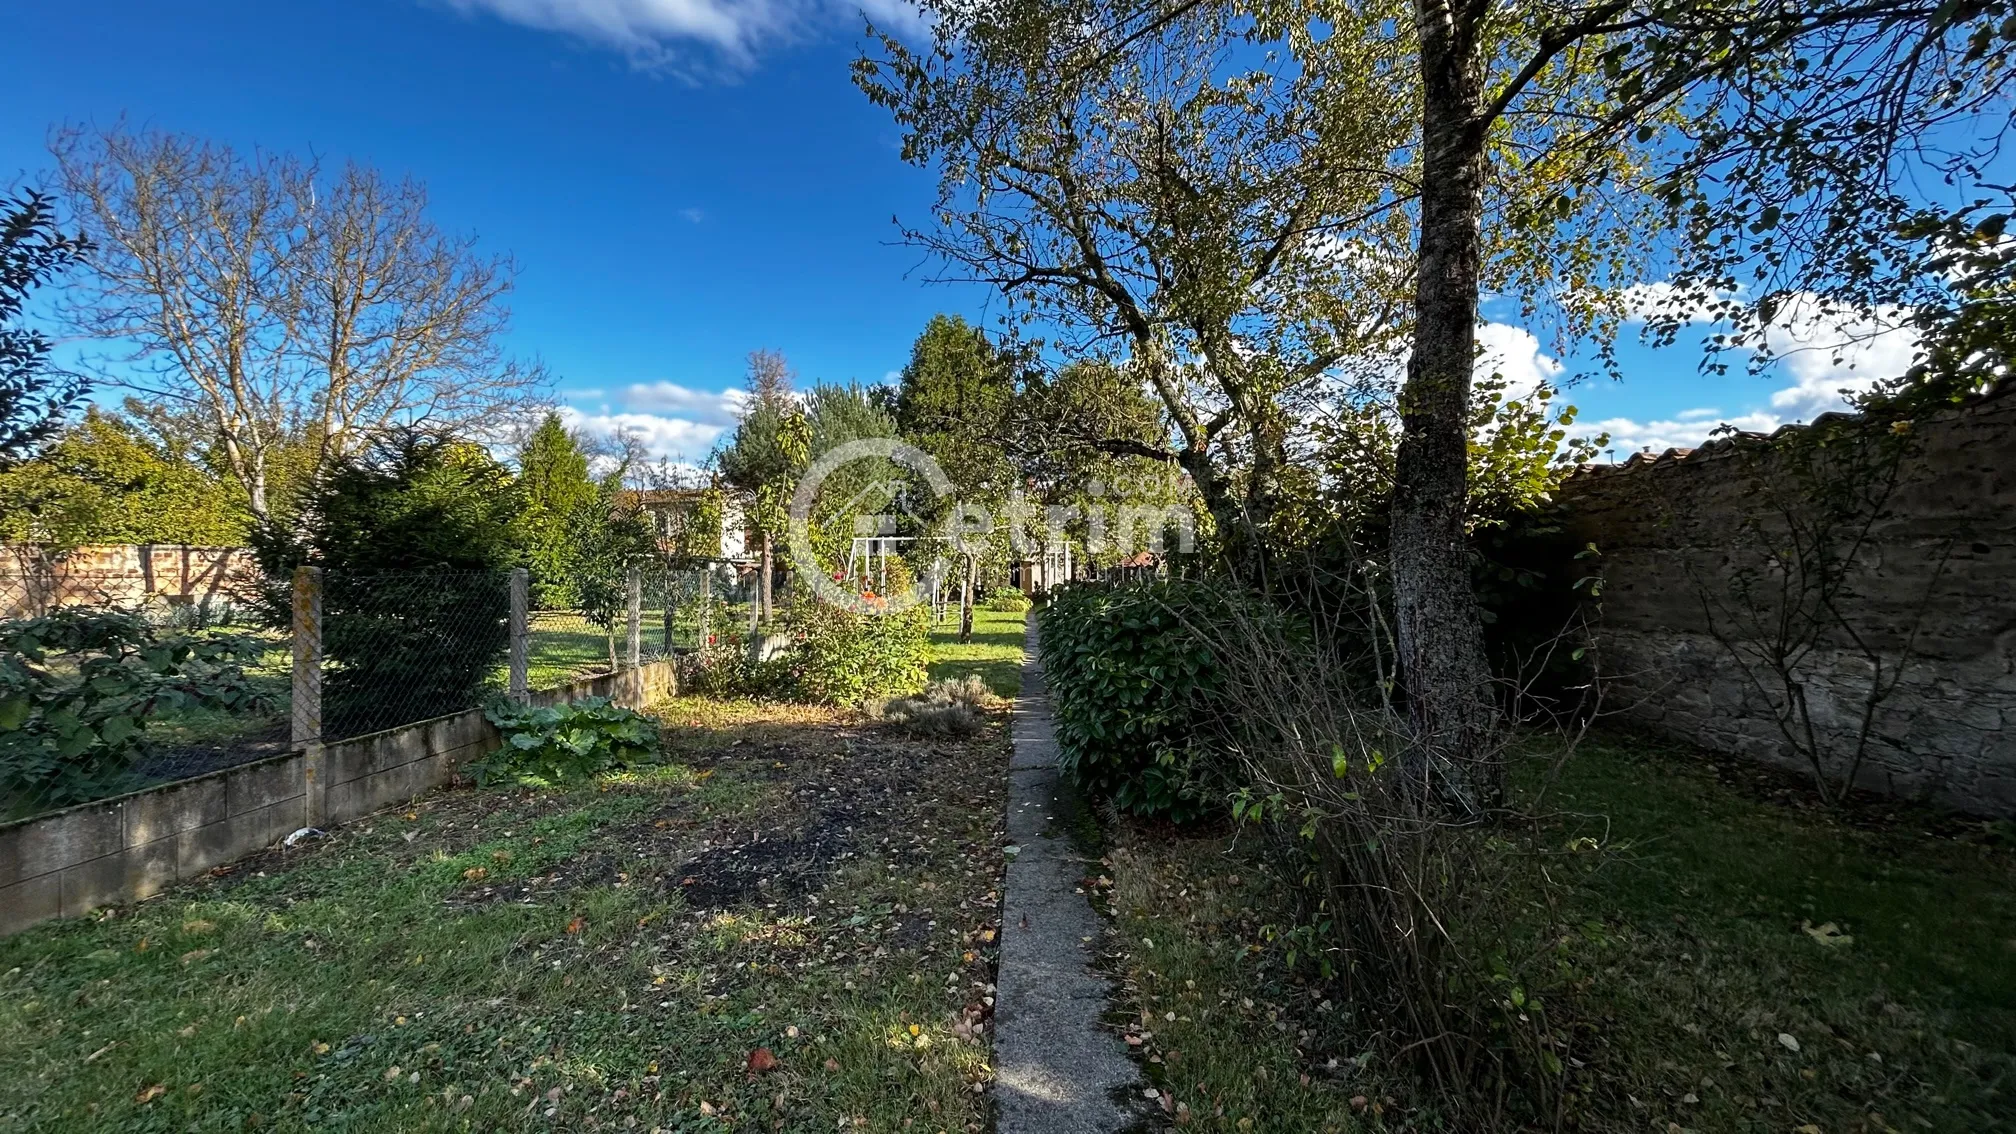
x=770, y=867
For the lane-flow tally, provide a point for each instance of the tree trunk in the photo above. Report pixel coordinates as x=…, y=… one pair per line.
x=1441, y=639
x=966, y=601
x=763, y=609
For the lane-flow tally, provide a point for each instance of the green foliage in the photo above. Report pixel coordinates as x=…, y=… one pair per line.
x=1005, y=600
x=33, y=399
x=844, y=658
x=104, y=481
x=416, y=540
x=836, y=415
x=551, y=745
x=554, y=483
x=1132, y=687
x=78, y=687
x=837, y=657
x=606, y=536
x=954, y=404
x=769, y=447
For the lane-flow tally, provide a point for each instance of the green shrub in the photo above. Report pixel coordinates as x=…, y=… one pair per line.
x=1007, y=600
x=836, y=657
x=843, y=658
x=718, y=669
x=416, y=538
x=558, y=743
x=1131, y=687
x=71, y=729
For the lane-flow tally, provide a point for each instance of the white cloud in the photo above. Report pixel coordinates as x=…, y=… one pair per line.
x=1514, y=353
x=1686, y=430
x=706, y=407
x=672, y=438
x=653, y=32
x=1825, y=354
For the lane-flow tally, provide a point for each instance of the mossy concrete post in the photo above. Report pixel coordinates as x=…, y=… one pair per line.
x=307, y=691
x=634, y=584
x=521, y=602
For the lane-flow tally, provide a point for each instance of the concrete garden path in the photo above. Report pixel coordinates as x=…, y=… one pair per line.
x=1058, y=1069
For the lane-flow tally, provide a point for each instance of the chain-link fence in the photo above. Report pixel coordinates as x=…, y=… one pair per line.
x=107, y=688
x=111, y=682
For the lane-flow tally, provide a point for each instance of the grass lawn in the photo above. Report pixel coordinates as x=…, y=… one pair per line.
x=995, y=653
x=1763, y=966
x=793, y=882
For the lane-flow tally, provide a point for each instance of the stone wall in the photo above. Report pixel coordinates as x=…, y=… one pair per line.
x=35, y=579
x=1934, y=593
x=69, y=862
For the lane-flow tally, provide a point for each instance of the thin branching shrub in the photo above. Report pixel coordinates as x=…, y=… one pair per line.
x=952, y=707
x=1428, y=916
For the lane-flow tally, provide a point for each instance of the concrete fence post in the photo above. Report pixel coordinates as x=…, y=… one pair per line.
x=307, y=692
x=635, y=584
x=665, y=610
x=706, y=603
x=521, y=602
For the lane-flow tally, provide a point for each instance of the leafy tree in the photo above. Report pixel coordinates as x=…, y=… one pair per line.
x=769, y=448
x=955, y=402
x=105, y=481
x=33, y=400
x=554, y=482
x=416, y=537
x=605, y=537
x=836, y=415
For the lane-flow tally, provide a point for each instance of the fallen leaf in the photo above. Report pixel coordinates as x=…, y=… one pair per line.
x=575, y=925
x=761, y=1060
x=1827, y=934
x=1787, y=1041
x=150, y=1094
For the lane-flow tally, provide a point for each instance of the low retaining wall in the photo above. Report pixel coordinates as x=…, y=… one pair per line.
x=120, y=850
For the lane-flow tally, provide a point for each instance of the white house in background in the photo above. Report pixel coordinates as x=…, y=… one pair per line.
x=670, y=508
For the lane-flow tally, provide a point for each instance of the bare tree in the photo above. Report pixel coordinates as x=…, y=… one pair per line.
x=287, y=312
x=400, y=323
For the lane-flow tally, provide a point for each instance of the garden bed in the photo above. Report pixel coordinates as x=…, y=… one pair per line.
x=789, y=924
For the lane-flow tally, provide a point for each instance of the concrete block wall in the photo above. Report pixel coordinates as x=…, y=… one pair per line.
x=1935, y=592
x=132, y=847
x=126, y=849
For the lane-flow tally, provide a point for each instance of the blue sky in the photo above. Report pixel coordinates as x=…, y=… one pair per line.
x=680, y=182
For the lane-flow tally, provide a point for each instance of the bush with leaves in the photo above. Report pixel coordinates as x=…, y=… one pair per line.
x=550, y=745
x=839, y=657
x=1006, y=600
x=1131, y=686
x=77, y=688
